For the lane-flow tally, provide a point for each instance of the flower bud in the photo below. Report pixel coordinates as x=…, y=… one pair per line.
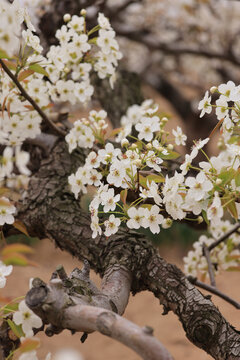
x=124, y=142
x=134, y=146
x=164, y=119
x=83, y=12
x=167, y=223
x=199, y=219
x=66, y=17
x=213, y=89
x=160, y=148
x=149, y=146
x=137, y=162
x=218, y=181
x=170, y=146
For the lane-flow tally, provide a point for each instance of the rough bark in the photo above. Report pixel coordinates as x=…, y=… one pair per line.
x=69, y=303
x=50, y=210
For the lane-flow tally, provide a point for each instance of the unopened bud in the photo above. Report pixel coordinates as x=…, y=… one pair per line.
x=66, y=17
x=160, y=148
x=134, y=146
x=213, y=89
x=199, y=219
x=83, y=12
x=218, y=181
x=170, y=146
x=124, y=142
x=101, y=122
x=149, y=146
x=164, y=119
x=167, y=223
x=138, y=162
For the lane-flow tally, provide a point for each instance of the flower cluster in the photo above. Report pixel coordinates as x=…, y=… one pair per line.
x=225, y=256
x=86, y=131
x=135, y=168
x=227, y=107
x=67, y=66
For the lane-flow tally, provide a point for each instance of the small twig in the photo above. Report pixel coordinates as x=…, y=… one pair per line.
x=32, y=102
x=206, y=253
x=213, y=290
x=224, y=237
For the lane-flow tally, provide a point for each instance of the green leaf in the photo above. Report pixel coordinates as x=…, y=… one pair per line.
x=172, y=155
x=156, y=178
x=237, y=177
x=10, y=308
x=3, y=55
x=17, y=329
x=38, y=69
x=226, y=176
x=204, y=215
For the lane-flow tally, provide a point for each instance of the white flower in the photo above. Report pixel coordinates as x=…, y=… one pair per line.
x=4, y=271
x=109, y=200
x=136, y=217
x=112, y=225
x=222, y=108
x=109, y=154
x=229, y=91
x=147, y=127
x=151, y=192
x=106, y=41
x=199, y=186
x=205, y=105
x=27, y=319
x=116, y=174
x=215, y=211
x=153, y=219
x=6, y=211
x=95, y=226
x=180, y=138
x=103, y=22
x=22, y=158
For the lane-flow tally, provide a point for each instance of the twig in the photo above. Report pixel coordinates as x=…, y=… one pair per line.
x=224, y=237
x=213, y=290
x=206, y=253
x=32, y=102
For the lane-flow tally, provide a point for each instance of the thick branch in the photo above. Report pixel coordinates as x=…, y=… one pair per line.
x=65, y=309
x=51, y=125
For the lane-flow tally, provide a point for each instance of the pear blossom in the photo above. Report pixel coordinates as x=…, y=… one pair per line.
x=109, y=200
x=205, y=104
x=199, y=186
x=111, y=225
x=5, y=270
x=6, y=211
x=215, y=211
x=136, y=216
x=180, y=138
x=27, y=319
x=152, y=219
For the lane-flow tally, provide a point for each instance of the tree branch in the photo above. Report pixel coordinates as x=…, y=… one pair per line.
x=80, y=312
x=224, y=237
x=213, y=290
x=50, y=124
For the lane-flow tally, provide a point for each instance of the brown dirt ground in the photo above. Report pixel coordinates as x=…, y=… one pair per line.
x=143, y=309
